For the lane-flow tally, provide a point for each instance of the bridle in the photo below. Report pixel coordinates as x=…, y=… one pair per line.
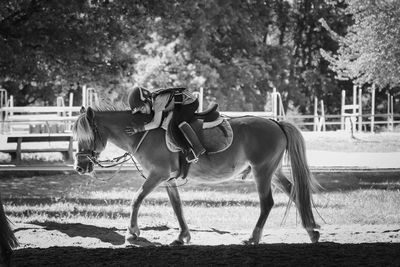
x=92, y=155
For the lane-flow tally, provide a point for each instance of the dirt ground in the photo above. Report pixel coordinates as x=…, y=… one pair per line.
x=82, y=244
x=54, y=244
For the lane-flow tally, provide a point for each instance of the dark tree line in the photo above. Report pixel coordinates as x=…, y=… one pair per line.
x=236, y=50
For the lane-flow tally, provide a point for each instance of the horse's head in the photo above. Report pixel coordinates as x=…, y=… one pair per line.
x=90, y=141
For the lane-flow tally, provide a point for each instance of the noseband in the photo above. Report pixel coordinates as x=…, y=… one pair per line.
x=92, y=154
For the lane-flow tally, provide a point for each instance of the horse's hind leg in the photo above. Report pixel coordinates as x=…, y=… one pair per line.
x=285, y=185
x=173, y=194
x=262, y=176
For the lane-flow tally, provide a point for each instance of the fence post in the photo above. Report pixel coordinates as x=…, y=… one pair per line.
x=316, y=120
x=360, y=110
x=323, y=116
x=4, y=97
x=274, y=104
x=342, y=110
x=373, y=109
x=390, y=112
x=84, y=96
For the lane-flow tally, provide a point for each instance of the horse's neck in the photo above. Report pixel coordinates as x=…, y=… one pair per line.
x=112, y=126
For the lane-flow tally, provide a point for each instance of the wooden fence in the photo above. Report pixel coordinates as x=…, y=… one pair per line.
x=60, y=119
x=33, y=119
x=369, y=122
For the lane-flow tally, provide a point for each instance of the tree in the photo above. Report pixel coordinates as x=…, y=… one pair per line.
x=236, y=50
x=310, y=74
x=370, y=51
x=60, y=42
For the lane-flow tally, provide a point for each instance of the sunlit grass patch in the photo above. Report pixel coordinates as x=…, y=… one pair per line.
x=343, y=142
x=223, y=210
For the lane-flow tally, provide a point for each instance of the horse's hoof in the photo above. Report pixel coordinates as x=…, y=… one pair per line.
x=177, y=243
x=314, y=236
x=131, y=238
x=251, y=241
x=137, y=241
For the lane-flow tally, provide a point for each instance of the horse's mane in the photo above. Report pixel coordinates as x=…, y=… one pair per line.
x=82, y=129
x=107, y=105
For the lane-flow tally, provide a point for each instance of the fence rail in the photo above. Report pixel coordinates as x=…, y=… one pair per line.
x=34, y=119
x=35, y=109
x=331, y=122
x=63, y=117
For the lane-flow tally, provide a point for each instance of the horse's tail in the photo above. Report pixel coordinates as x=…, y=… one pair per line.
x=303, y=181
x=7, y=237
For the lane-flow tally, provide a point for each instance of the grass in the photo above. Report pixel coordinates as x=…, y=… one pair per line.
x=327, y=141
x=363, y=142
x=365, y=199
x=207, y=208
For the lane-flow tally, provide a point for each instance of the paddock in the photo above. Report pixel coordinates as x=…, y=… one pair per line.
x=82, y=219
x=57, y=212
x=88, y=223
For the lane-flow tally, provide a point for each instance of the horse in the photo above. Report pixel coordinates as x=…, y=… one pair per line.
x=258, y=145
x=7, y=237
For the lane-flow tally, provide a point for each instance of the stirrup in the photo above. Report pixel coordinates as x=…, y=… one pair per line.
x=191, y=157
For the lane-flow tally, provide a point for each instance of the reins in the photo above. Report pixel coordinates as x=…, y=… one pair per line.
x=92, y=156
x=116, y=161
x=126, y=157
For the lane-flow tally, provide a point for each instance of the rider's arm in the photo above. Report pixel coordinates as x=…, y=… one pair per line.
x=155, y=122
x=159, y=105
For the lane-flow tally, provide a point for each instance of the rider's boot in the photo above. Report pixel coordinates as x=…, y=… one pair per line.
x=197, y=148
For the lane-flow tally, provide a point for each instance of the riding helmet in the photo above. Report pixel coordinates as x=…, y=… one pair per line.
x=138, y=97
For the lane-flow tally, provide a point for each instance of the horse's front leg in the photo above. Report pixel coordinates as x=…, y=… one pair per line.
x=152, y=181
x=173, y=193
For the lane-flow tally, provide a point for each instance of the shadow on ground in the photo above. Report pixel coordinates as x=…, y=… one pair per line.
x=322, y=254
x=49, y=186
x=84, y=230
x=347, y=181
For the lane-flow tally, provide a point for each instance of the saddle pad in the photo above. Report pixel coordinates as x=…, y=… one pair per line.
x=214, y=140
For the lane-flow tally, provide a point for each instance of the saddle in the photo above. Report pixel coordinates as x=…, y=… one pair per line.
x=215, y=132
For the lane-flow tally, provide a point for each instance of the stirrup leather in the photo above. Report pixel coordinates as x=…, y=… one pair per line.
x=191, y=157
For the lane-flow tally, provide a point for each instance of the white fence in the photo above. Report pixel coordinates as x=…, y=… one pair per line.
x=37, y=119
x=60, y=119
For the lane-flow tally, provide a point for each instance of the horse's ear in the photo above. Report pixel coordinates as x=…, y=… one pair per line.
x=82, y=110
x=90, y=114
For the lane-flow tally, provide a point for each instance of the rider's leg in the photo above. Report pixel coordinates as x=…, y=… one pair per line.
x=192, y=138
x=186, y=139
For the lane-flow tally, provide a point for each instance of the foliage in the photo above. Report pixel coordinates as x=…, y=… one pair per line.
x=370, y=52
x=311, y=73
x=236, y=50
x=55, y=43
x=239, y=51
